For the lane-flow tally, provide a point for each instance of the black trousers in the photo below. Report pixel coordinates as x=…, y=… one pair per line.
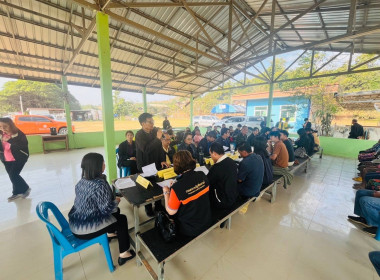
x=13, y=169
x=121, y=229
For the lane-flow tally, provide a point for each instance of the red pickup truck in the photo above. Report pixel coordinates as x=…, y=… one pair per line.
x=33, y=124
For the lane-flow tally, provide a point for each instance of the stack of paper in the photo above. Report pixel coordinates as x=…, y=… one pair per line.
x=166, y=183
x=124, y=183
x=202, y=168
x=149, y=170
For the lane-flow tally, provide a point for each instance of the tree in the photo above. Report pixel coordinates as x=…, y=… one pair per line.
x=121, y=107
x=34, y=95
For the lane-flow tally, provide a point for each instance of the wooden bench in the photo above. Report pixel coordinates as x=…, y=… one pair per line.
x=54, y=138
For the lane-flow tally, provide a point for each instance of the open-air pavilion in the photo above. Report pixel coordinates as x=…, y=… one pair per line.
x=188, y=48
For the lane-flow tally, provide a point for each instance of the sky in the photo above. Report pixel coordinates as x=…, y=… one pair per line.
x=92, y=96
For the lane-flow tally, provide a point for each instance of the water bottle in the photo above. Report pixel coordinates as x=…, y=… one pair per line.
x=201, y=155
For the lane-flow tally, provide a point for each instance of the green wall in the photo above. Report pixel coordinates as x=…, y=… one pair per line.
x=76, y=141
x=343, y=147
x=340, y=147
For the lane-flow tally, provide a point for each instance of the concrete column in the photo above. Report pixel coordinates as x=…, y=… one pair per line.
x=104, y=54
x=270, y=102
x=67, y=106
x=144, y=100
x=191, y=111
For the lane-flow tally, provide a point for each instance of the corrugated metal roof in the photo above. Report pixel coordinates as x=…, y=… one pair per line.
x=38, y=38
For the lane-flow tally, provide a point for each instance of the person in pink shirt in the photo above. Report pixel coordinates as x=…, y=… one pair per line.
x=14, y=153
x=197, y=137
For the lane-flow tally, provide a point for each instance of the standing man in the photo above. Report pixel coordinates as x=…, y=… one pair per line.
x=251, y=172
x=356, y=130
x=148, y=149
x=166, y=123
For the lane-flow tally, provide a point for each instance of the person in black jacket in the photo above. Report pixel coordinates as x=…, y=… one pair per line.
x=205, y=143
x=309, y=134
x=260, y=148
x=224, y=138
x=284, y=134
x=187, y=145
x=127, y=153
x=303, y=141
x=167, y=151
x=356, y=130
x=166, y=123
x=223, y=179
x=148, y=149
x=14, y=153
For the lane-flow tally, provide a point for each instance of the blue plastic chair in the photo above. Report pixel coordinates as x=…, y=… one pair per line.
x=64, y=242
x=127, y=170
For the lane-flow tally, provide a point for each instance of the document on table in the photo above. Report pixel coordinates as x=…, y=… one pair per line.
x=202, y=168
x=149, y=170
x=124, y=183
x=166, y=183
x=225, y=148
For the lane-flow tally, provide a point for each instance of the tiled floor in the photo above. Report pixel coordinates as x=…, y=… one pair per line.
x=303, y=235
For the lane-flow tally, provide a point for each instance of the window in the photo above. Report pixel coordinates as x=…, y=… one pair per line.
x=41, y=119
x=25, y=119
x=255, y=119
x=288, y=111
x=261, y=111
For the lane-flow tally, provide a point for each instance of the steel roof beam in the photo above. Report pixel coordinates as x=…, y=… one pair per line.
x=351, y=17
x=116, y=5
x=15, y=43
x=81, y=76
x=284, y=25
x=326, y=10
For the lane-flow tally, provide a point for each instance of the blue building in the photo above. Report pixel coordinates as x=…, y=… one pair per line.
x=285, y=105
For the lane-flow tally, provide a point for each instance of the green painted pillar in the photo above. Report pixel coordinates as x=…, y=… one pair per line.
x=67, y=106
x=270, y=102
x=102, y=30
x=144, y=100
x=191, y=111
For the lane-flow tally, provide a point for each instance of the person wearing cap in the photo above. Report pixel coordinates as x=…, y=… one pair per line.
x=205, y=143
x=224, y=138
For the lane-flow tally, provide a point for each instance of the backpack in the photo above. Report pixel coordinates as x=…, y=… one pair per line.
x=166, y=226
x=300, y=152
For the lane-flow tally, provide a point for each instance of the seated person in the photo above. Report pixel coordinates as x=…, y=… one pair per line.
x=251, y=172
x=223, y=178
x=309, y=134
x=242, y=136
x=167, y=151
x=95, y=210
x=197, y=137
x=303, y=141
x=224, y=138
x=188, y=197
x=178, y=140
x=260, y=148
x=279, y=157
x=127, y=153
x=205, y=143
x=367, y=209
x=237, y=130
x=255, y=133
x=289, y=147
x=265, y=132
x=187, y=145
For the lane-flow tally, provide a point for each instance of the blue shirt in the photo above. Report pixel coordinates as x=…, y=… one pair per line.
x=251, y=172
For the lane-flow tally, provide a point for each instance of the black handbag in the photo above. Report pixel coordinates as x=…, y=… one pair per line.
x=166, y=226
